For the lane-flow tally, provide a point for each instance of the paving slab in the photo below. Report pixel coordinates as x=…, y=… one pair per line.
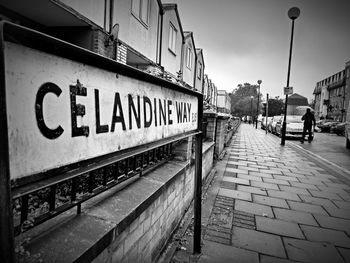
x=278, y=227
x=342, y=204
x=250, y=189
x=235, y=170
x=338, y=238
x=314, y=252
x=295, y=216
x=264, y=185
x=334, y=190
x=276, y=181
x=313, y=180
x=345, y=253
x=316, y=209
x=284, y=195
x=337, y=212
x=338, y=185
x=270, y=201
x=249, y=177
x=333, y=223
x=258, y=241
x=269, y=259
x=295, y=190
x=327, y=195
x=303, y=185
x=317, y=201
x=260, y=174
x=214, y=252
x=235, y=194
x=253, y=208
x=235, y=180
x=249, y=168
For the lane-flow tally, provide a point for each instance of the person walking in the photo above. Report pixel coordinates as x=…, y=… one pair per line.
x=309, y=121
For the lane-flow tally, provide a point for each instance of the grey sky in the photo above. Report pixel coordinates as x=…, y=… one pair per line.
x=247, y=40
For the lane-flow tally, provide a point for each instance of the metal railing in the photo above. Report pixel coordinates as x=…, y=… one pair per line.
x=204, y=130
x=31, y=208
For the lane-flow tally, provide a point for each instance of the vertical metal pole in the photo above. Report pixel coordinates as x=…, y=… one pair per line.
x=198, y=183
x=283, y=139
x=6, y=218
x=251, y=109
x=267, y=111
x=257, y=109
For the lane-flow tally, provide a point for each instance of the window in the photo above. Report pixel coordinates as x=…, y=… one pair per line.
x=189, y=58
x=172, y=38
x=199, y=73
x=139, y=8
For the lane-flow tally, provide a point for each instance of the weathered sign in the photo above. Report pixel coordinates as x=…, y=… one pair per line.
x=60, y=111
x=288, y=90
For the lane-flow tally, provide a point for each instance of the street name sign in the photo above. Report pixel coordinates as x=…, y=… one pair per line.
x=288, y=90
x=61, y=111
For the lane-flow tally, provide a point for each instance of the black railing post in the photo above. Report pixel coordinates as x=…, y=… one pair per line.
x=6, y=217
x=198, y=183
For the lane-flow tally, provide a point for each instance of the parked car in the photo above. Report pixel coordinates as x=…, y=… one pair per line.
x=347, y=128
x=327, y=125
x=273, y=122
x=294, y=126
x=339, y=128
x=263, y=122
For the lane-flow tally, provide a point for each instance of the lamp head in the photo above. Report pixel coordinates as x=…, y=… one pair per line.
x=293, y=13
x=259, y=81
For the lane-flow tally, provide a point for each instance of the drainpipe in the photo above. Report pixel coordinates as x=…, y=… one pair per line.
x=160, y=41
x=182, y=59
x=111, y=7
x=195, y=68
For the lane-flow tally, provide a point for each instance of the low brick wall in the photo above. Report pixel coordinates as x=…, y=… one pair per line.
x=144, y=239
x=132, y=224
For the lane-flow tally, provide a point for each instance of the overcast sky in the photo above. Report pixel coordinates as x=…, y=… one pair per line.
x=247, y=40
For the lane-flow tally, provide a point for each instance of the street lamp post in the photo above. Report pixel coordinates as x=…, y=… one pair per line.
x=257, y=107
x=251, y=108
x=293, y=14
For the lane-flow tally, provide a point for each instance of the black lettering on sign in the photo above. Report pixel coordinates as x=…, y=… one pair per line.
x=162, y=110
x=39, y=111
x=155, y=112
x=170, y=121
x=115, y=117
x=136, y=114
x=77, y=109
x=147, y=101
x=189, y=111
x=185, y=113
x=99, y=128
x=179, y=111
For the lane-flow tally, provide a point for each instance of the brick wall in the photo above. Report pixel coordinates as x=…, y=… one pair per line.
x=101, y=44
x=220, y=136
x=121, y=53
x=147, y=235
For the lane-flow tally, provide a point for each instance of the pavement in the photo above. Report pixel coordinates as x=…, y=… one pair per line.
x=270, y=203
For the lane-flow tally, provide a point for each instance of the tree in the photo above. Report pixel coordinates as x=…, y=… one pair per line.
x=241, y=99
x=276, y=106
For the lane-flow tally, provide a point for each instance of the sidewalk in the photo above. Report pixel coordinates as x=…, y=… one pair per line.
x=270, y=203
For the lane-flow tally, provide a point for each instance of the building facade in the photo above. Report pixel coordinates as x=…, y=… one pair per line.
x=199, y=76
x=332, y=95
x=189, y=61
x=223, y=101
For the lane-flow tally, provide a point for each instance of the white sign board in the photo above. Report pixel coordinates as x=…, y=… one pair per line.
x=60, y=111
x=288, y=90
